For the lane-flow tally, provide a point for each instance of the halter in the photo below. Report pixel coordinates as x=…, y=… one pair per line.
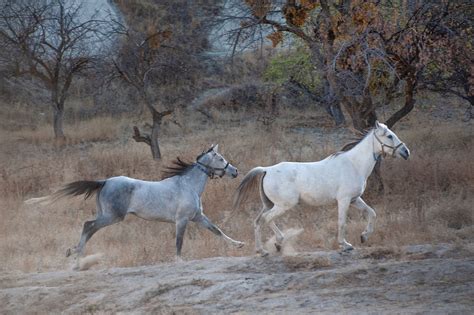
x=394, y=148
x=211, y=171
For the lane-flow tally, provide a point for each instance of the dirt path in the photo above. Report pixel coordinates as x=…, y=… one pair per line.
x=422, y=278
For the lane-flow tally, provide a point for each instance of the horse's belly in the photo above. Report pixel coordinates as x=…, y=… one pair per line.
x=316, y=199
x=154, y=215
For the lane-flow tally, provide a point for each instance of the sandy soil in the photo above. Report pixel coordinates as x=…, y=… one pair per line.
x=415, y=279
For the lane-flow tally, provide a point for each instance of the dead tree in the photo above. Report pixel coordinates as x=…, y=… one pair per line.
x=139, y=59
x=51, y=42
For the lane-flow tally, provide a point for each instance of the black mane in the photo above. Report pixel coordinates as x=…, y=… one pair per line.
x=178, y=167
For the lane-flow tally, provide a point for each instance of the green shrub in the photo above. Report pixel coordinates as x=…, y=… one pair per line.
x=296, y=65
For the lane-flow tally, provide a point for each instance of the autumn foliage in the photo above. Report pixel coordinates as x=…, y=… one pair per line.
x=370, y=50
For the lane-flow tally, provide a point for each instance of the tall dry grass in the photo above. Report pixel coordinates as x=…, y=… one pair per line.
x=427, y=199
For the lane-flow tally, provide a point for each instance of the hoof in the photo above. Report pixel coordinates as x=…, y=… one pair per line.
x=348, y=249
x=240, y=244
x=278, y=247
x=68, y=252
x=363, y=238
x=263, y=253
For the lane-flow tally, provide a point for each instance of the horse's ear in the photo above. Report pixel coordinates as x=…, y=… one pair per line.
x=377, y=124
x=215, y=147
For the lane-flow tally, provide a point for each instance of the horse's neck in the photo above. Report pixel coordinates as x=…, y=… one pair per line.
x=197, y=179
x=362, y=156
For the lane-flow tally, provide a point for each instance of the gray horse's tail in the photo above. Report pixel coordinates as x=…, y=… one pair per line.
x=249, y=183
x=82, y=187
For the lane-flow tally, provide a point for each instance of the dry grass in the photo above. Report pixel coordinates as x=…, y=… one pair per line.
x=427, y=199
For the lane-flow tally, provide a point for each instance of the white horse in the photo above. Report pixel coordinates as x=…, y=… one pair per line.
x=340, y=177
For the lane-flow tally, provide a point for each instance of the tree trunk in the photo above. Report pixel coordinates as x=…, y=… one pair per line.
x=333, y=104
x=58, y=122
x=329, y=102
x=337, y=114
x=58, y=112
x=357, y=121
x=375, y=179
x=155, y=132
x=409, y=103
x=153, y=139
x=360, y=121
x=331, y=99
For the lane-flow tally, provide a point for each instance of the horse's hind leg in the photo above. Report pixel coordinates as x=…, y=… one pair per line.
x=258, y=235
x=89, y=229
x=361, y=205
x=267, y=205
x=205, y=222
x=278, y=234
x=180, y=229
x=268, y=216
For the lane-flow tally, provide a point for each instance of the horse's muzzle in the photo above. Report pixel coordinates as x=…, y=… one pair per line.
x=404, y=153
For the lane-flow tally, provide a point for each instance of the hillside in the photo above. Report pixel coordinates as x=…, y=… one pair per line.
x=411, y=279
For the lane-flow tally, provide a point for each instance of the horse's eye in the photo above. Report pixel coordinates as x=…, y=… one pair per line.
x=390, y=137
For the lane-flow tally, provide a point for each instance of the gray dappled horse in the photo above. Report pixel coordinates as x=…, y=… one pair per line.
x=175, y=199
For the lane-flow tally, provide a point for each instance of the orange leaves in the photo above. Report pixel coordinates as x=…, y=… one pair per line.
x=259, y=8
x=156, y=37
x=309, y=4
x=276, y=38
x=363, y=14
x=296, y=14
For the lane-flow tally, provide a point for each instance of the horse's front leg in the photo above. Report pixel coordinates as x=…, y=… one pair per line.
x=205, y=222
x=342, y=207
x=361, y=205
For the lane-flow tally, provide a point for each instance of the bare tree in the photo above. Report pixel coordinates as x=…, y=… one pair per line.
x=50, y=41
x=139, y=59
x=161, y=57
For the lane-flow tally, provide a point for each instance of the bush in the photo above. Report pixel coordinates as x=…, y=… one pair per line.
x=295, y=65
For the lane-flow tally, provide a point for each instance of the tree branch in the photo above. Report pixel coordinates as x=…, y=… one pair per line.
x=140, y=138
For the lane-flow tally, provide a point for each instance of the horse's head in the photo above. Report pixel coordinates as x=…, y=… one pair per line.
x=388, y=142
x=216, y=164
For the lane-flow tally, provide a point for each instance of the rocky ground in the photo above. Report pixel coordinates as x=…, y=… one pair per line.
x=414, y=279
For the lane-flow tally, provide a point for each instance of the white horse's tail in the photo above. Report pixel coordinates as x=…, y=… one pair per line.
x=249, y=184
x=46, y=200
x=82, y=187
